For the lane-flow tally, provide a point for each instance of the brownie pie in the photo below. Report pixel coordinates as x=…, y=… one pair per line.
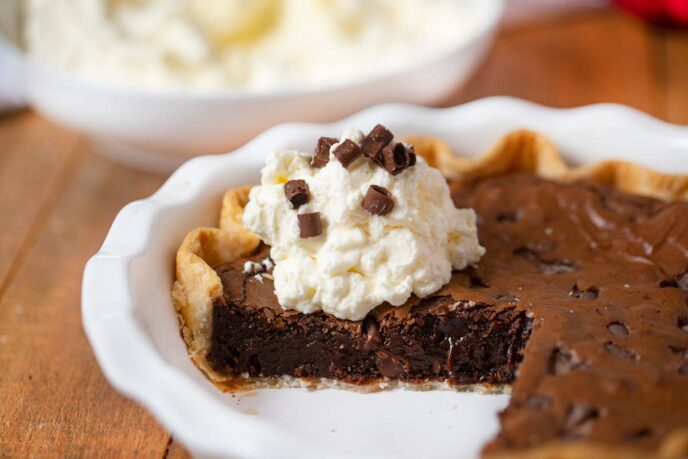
x=579, y=305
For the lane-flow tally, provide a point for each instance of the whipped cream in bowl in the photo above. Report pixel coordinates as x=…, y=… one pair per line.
x=160, y=81
x=239, y=45
x=360, y=223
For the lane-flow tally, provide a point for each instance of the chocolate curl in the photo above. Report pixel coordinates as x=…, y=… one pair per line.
x=310, y=225
x=296, y=192
x=375, y=141
x=346, y=152
x=378, y=200
x=321, y=155
x=396, y=157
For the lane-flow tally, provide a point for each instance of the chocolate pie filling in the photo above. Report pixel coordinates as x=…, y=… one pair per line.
x=582, y=289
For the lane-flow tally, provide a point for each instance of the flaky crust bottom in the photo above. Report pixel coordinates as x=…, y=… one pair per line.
x=197, y=284
x=244, y=382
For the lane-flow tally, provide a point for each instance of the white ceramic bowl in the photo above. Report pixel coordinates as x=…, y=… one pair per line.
x=133, y=329
x=159, y=130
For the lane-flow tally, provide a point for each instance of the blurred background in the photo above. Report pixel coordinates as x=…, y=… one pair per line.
x=156, y=82
x=101, y=99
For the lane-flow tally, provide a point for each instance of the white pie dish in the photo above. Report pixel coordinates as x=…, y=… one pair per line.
x=161, y=129
x=131, y=324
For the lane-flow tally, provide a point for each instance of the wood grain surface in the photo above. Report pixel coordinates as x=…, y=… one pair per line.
x=58, y=199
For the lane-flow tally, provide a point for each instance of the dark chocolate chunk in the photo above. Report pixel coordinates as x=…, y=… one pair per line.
x=346, y=152
x=321, y=155
x=378, y=200
x=396, y=157
x=296, y=192
x=375, y=141
x=310, y=225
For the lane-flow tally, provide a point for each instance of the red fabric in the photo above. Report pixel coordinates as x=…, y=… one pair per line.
x=668, y=12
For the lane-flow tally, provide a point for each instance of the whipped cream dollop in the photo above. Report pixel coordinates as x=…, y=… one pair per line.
x=361, y=259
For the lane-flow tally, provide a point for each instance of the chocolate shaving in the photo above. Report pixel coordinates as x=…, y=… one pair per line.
x=378, y=200
x=396, y=157
x=310, y=225
x=296, y=192
x=321, y=155
x=346, y=152
x=375, y=141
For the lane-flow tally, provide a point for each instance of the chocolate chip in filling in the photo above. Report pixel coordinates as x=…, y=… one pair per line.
x=310, y=225
x=296, y=192
x=378, y=200
x=375, y=141
x=321, y=155
x=346, y=152
x=396, y=157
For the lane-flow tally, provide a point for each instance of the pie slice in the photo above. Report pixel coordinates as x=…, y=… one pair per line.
x=580, y=305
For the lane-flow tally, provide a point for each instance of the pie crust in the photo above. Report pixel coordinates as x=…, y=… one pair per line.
x=197, y=284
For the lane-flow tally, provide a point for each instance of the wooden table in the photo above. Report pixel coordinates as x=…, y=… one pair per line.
x=58, y=199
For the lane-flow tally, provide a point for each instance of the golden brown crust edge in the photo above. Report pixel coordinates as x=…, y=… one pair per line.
x=197, y=285
x=529, y=151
